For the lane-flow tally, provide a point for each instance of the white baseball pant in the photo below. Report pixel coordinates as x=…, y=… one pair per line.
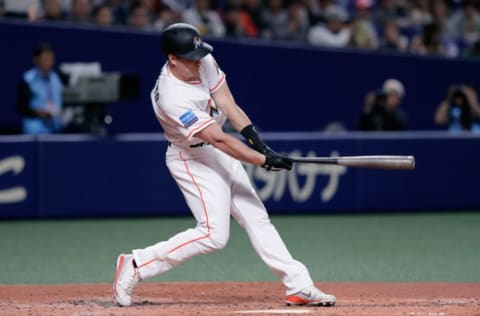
x=216, y=185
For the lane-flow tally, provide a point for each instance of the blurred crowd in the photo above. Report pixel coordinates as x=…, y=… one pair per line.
x=448, y=28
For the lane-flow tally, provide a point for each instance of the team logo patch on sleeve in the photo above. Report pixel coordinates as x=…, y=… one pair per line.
x=188, y=118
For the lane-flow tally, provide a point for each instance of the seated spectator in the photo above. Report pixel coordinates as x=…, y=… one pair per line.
x=39, y=98
x=459, y=110
x=335, y=33
x=473, y=51
x=206, y=20
x=391, y=38
x=420, y=15
x=165, y=17
x=434, y=41
x=139, y=17
x=382, y=110
x=20, y=8
x=316, y=10
x=238, y=21
x=465, y=24
x=275, y=18
x=253, y=9
x=80, y=11
x=120, y=10
x=52, y=10
x=103, y=15
x=385, y=10
x=363, y=31
x=298, y=22
x=441, y=14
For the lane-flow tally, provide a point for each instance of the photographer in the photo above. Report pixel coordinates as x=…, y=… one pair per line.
x=382, y=110
x=460, y=110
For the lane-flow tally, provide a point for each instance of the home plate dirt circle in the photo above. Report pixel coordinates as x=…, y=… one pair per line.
x=241, y=298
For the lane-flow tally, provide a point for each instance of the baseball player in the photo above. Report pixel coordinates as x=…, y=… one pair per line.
x=191, y=100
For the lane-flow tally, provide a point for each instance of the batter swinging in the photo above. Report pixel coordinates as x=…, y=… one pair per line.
x=191, y=100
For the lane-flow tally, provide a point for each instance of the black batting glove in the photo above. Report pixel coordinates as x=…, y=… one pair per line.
x=273, y=161
x=277, y=162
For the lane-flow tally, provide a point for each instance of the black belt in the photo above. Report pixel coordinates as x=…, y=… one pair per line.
x=194, y=145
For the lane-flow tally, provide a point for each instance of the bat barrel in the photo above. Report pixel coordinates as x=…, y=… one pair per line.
x=378, y=162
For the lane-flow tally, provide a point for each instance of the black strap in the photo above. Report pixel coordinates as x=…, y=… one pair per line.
x=198, y=145
x=192, y=146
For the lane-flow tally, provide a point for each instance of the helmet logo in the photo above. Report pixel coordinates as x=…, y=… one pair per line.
x=197, y=42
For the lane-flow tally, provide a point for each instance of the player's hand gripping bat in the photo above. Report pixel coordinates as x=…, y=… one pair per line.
x=375, y=162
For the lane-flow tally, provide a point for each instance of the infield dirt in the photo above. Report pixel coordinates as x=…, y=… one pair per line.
x=241, y=298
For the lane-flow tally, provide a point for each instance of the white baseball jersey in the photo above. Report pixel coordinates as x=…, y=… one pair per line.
x=214, y=184
x=185, y=108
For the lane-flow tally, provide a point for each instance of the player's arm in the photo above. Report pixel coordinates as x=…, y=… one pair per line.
x=224, y=99
x=230, y=145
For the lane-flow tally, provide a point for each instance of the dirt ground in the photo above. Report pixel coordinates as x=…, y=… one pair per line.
x=233, y=298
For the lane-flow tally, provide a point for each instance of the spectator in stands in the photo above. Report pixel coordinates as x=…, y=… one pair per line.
x=275, y=18
x=465, y=24
x=20, y=9
x=52, y=10
x=253, y=9
x=386, y=10
x=335, y=32
x=459, y=110
x=120, y=9
x=238, y=21
x=391, y=39
x=206, y=20
x=434, y=41
x=440, y=13
x=139, y=17
x=473, y=51
x=103, y=15
x=165, y=17
x=39, y=97
x=363, y=31
x=80, y=11
x=316, y=10
x=420, y=15
x=298, y=22
x=382, y=111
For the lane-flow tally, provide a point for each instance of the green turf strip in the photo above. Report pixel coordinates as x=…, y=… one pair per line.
x=402, y=247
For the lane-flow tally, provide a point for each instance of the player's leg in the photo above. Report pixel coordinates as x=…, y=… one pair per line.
x=250, y=213
x=208, y=196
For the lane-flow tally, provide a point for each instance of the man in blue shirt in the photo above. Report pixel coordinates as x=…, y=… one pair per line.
x=39, y=99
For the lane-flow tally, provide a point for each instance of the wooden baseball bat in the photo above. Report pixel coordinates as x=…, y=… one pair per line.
x=374, y=162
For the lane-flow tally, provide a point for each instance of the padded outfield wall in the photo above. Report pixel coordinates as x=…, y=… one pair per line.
x=78, y=176
x=283, y=86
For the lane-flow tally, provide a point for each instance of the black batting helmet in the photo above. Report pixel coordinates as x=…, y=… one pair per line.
x=183, y=40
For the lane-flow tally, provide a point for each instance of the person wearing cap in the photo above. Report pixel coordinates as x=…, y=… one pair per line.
x=382, y=111
x=191, y=100
x=335, y=32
